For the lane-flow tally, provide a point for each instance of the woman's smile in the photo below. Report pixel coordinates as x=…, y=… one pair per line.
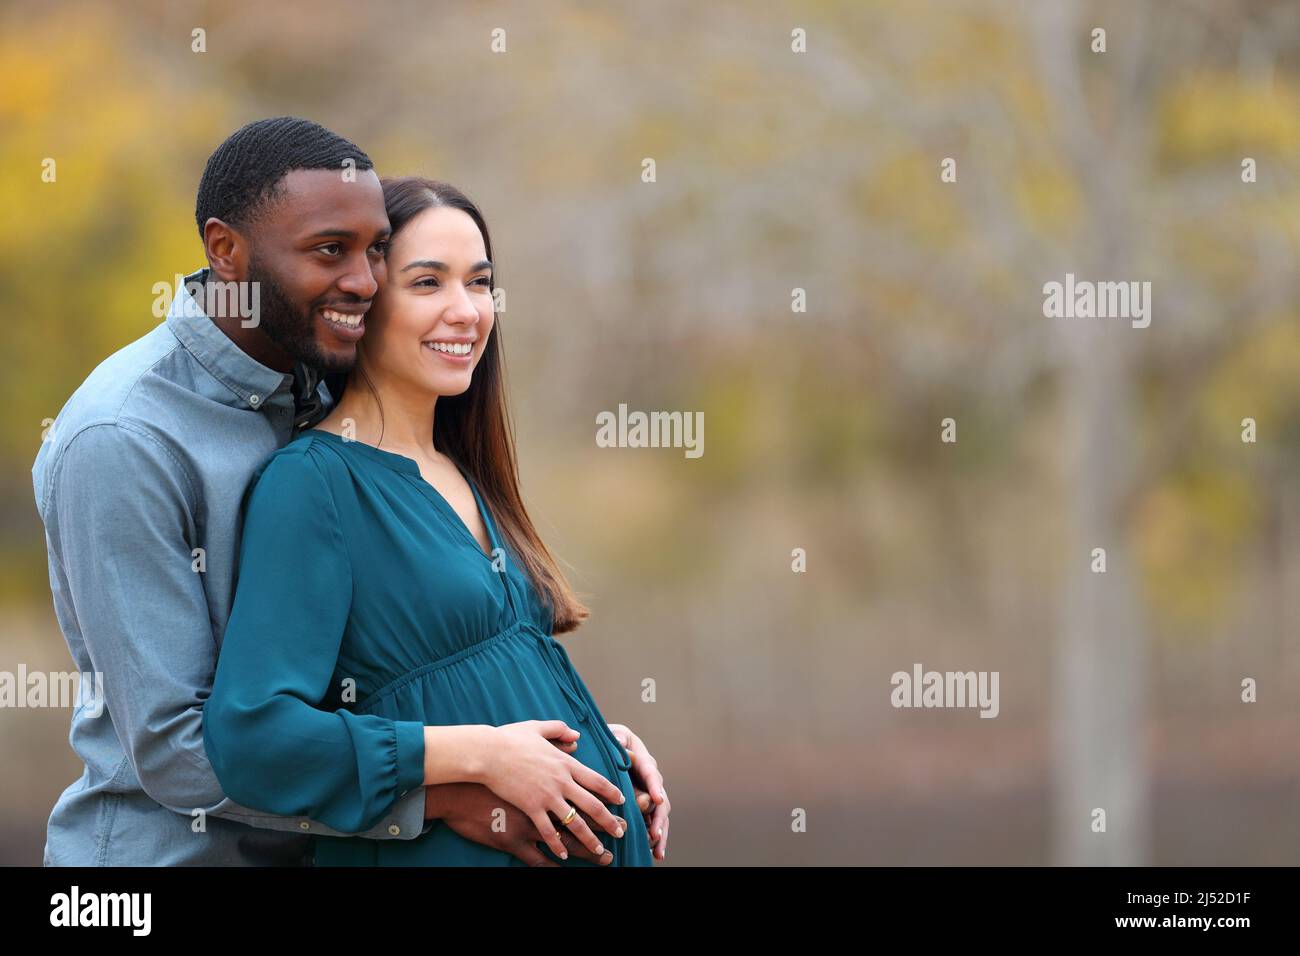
x=459, y=352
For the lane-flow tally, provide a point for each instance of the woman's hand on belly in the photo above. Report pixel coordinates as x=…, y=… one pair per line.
x=524, y=765
x=476, y=813
x=648, y=786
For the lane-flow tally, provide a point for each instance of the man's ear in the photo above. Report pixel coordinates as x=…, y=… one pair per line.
x=227, y=250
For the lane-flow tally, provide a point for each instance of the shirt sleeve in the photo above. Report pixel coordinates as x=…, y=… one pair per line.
x=119, y=512
x=270, y=740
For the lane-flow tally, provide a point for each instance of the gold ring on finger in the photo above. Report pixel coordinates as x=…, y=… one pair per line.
x=573, y=812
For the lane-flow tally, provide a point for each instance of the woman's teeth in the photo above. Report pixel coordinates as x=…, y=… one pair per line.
x=342, y=318
x=451, y=348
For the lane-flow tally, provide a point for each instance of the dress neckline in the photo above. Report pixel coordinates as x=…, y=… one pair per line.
x=408, y=466
x=389, y=458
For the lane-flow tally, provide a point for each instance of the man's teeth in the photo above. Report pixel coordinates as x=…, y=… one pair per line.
x=342, y=318
x=451, y=348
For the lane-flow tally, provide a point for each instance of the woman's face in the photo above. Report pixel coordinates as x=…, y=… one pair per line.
x=430, y=322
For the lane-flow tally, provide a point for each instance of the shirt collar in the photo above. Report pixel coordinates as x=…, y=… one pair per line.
x=248, y=378
x=308, y=406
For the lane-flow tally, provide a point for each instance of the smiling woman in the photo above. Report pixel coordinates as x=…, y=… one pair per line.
x=428, y=596
x=432, y=309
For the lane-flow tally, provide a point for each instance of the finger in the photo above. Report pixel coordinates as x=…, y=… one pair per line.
x=643, y=789
x=628, y=746
x=580, y=831
x=631, y=743
x=595, y=810
x=596, y=783
x=529, y=853
x=549, y=833
x=579, y=851
x=556, y=730
x=652, y=778
x=658, y=825
x=662, y=849
x=609, y=855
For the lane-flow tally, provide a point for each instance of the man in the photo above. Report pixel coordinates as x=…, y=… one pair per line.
x=140, y=483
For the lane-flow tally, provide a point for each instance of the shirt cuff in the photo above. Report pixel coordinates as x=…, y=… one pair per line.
x=410, y=755
x=407, y=820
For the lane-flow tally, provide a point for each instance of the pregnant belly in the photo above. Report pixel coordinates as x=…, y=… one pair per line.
x=515, y=676
x=443, y=846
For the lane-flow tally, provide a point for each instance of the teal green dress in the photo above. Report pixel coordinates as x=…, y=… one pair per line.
x=364, y=610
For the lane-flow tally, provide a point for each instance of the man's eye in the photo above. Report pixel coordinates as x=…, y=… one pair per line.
x=486, y=280
x=381, y=247
x=334, y=246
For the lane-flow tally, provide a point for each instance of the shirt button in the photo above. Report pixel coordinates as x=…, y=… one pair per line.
x=304, y=825
x=395, y=830
x=254, y=400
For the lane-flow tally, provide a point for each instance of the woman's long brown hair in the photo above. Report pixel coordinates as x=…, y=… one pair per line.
x=474, y=428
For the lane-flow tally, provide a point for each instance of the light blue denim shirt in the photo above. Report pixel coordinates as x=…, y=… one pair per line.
x=146, y=464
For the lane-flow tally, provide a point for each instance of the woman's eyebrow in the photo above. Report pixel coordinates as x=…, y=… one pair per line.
x=437, y=266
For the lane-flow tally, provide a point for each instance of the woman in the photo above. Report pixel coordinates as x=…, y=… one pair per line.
x=392, y=621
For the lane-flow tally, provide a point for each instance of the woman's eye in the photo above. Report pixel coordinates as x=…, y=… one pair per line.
x=430, y=282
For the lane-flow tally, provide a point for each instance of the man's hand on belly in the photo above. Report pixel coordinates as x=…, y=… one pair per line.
x=470, y=809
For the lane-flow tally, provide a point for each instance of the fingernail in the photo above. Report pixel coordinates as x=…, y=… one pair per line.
x=564, y=855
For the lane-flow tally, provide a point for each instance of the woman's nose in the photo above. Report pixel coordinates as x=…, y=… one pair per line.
x=462, y=308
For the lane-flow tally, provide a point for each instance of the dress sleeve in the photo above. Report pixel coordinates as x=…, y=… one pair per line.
x=271, y=743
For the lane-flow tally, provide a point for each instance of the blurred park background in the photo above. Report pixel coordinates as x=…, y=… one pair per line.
x=779, y=170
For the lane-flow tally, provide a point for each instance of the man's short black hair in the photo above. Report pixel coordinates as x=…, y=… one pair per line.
x=245, y=171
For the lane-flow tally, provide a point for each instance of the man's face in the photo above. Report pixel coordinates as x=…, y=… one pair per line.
x=318, y=255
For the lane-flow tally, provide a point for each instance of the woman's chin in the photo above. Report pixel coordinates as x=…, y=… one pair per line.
x=448, y=386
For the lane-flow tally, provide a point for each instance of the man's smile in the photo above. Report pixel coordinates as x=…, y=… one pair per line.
x=346, y=322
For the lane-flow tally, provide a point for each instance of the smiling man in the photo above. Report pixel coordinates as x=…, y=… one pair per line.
x=140, y=484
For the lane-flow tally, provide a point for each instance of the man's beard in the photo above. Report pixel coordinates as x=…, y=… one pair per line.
x=293, y=330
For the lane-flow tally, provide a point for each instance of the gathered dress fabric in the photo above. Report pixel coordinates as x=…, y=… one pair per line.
x=364, y=610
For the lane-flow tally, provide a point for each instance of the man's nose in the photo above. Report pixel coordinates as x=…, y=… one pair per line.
x=360, y=280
